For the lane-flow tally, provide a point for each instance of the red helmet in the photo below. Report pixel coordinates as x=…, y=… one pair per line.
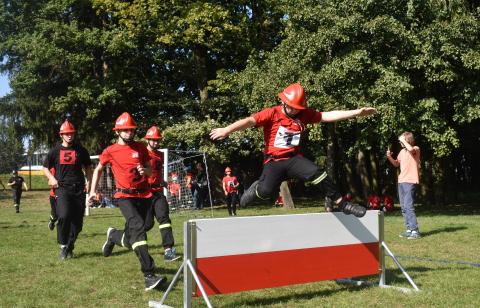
x=153, y=133
x=294, y=96
x=124, y=121
x=67, y=127
x=228, y=170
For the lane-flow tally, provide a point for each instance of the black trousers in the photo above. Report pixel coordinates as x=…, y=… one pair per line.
x=161, y=212
x=17, y=195
x=70, y=209
x=53, y=208
x=136, y=212
x=232, y=200
x=297, y=167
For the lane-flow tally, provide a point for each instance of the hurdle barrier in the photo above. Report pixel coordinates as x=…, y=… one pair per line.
x=227, y=255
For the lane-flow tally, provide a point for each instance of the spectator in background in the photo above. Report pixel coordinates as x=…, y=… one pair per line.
x=200, y=186
x=409, y=162
x=174, y=189
x=16, y=182
x=230, y=185
x=188, y=182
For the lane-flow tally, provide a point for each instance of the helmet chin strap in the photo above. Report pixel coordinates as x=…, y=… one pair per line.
x=127, y=140
x=68, y=142
x=286, y=112
x=150, y=143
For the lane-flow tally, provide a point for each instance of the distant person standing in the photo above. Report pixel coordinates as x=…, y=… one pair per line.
x=408, y=159
x=70, y=160
x=230, y=185
x=159, y=203
x=200, y=186
x=16, y=182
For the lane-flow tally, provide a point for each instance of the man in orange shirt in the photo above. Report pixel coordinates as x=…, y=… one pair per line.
x=409, y=161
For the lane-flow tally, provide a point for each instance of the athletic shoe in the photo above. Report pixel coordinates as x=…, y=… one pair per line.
x=352, y=208
x=415, y=235
x=63, y=253
x=406, y=234
x=51, y=224
x=107, y=247
x=152, y=281
x=17, y=209
x=170, y=255
x=69, y=254
x=249, y=195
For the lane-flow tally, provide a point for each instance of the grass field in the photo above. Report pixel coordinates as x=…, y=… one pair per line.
x=38, y=181
x=32, y=276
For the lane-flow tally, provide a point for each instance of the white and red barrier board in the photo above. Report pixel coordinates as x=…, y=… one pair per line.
x=249, y=253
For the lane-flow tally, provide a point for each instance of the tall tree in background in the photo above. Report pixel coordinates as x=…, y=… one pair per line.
x=11, y=136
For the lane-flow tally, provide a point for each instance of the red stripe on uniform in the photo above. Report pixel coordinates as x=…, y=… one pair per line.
x=229, y=274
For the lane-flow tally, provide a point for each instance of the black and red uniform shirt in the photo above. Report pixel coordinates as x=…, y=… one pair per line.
x=68, y=163
x=230, y=183
x=156, y=180
x=124, y=160
x=282, y=133
x=17, y=182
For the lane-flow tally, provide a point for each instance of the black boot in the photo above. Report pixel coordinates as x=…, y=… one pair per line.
x=249, y=195
x=351, y=208
x=63, y=253
x=153, y=282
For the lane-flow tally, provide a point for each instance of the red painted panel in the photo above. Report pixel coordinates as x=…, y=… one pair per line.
x=229, y=274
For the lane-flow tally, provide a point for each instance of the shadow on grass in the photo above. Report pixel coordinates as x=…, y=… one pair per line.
x=295, y=296
x=443, y=230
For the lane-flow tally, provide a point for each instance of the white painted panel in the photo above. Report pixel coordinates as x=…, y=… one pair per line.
x=243, y=235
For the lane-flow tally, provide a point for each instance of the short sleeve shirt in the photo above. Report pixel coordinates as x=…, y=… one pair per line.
x=409, y=165
x=68, y=163
x=281, y=133
x=230, y=183
x=124, y=160
x=17, y=182
x=156, y=180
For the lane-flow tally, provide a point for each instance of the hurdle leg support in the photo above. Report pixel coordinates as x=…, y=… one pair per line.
x=410, y=280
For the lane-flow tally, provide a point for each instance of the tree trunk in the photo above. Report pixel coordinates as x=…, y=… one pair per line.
x=363, y=173
x=200, y=59
x=287, y=197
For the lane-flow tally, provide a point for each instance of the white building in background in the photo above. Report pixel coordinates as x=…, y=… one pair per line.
x=33, y=163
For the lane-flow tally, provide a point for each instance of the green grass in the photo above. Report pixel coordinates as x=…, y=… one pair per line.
x=38, y=181
x=31, y=275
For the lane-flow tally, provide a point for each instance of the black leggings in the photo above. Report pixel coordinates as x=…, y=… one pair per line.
x=232, y=201
x=162, y=214
x=17, y=195
x=297, y=167
x=70, y=209
x=136, y=212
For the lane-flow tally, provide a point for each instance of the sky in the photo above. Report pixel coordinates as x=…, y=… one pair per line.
x=4, y=87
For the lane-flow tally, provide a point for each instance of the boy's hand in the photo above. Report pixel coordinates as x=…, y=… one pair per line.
x=141, y=169
x=366, y=111
x=389, y=153
x=219, y=133
x=53, y=182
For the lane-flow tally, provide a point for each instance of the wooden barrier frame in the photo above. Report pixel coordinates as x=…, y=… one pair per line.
x=200, y=279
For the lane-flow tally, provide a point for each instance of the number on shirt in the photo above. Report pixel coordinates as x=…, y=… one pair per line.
x=285, y=139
